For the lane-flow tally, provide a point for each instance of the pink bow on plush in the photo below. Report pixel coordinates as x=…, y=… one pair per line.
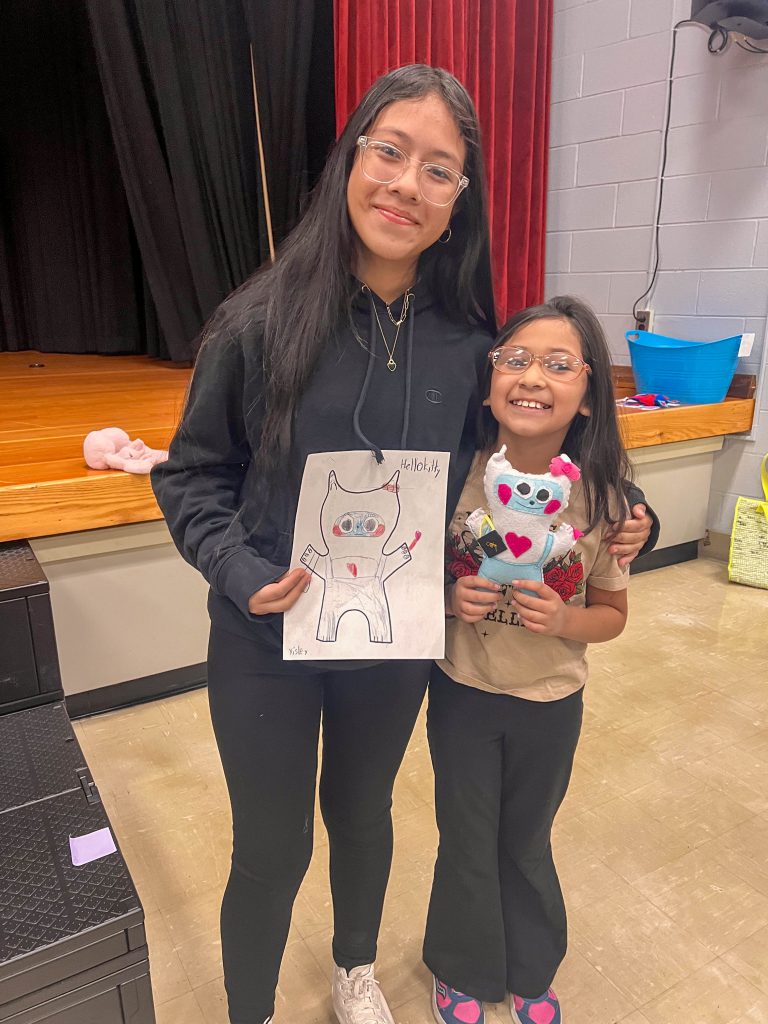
x=561, y=465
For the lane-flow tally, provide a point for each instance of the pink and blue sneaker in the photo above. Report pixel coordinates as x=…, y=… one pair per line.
x=452, y=1007
x=543, y=1010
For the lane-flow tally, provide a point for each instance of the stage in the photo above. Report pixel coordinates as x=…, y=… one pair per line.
x=49, y=403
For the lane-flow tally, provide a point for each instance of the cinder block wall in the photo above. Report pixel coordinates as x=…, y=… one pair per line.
x=611, y=59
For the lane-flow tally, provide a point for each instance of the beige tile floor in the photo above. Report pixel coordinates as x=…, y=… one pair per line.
x=662, y=842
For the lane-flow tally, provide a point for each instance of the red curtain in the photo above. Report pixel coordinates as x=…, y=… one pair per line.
x=501, y=51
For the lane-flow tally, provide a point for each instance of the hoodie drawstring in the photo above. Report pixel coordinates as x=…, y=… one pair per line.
x=408, y=375
x=374, y=448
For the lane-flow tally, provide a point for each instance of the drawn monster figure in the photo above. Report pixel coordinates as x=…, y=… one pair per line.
x=355, y=526
x=516, y=530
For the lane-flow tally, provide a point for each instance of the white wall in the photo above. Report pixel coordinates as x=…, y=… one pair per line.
x=150, y=606
x=611, y=59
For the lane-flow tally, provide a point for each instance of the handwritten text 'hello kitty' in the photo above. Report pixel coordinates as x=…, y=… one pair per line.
x=416, y=465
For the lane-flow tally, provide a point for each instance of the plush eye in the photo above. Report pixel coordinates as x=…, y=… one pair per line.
x=523, y=489
x=543, y=494
x=370, y=524
x=346, y=525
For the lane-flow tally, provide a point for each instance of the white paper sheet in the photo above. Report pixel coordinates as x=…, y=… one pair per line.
x=373, y=537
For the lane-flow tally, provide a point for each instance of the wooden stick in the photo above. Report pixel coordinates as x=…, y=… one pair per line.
x=264, y=187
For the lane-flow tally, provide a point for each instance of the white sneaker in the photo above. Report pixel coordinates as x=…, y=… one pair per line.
x=357, y=998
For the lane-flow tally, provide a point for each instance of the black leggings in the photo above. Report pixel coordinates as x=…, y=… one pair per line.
x=267, y=732
x=496, y=921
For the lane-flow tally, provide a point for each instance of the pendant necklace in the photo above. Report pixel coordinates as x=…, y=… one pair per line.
x=391, y=364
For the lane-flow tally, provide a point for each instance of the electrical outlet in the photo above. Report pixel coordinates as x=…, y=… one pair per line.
x=644, y=320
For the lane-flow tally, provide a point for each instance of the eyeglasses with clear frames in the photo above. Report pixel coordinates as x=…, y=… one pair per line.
x=556, y=365
x=384, y=163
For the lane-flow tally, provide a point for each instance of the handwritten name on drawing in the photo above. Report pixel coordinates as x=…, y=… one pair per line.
x=416, y=465
x=297, y=652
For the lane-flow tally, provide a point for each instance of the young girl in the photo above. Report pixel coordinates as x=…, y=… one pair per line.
x=505, y=704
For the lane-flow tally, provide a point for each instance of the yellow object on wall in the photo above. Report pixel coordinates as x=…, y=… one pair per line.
x=748, y=559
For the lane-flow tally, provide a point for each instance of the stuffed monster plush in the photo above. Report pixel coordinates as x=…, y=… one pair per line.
x=521, y=510
x=111, y=448
x=355, y=527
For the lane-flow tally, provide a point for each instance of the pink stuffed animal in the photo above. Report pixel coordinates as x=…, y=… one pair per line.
x=111, y=448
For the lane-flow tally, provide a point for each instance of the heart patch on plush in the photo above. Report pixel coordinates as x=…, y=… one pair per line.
x=518, y=545
x=352, y=568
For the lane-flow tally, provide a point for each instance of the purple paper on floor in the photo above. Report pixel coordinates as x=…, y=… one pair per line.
x=91, y=847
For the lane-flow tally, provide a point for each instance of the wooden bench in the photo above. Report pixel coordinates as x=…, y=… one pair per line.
x=46, y=410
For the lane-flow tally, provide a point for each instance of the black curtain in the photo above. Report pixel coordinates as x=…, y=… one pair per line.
x=67, y=262
x=292, y=46
x=179, y=91
x=320, y=111
x=177, y=84
x=133, y=191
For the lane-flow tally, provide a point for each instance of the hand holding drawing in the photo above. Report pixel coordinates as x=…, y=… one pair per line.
x=471, y=598
x=280, y=595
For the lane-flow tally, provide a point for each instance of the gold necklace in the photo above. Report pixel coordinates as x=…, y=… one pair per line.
x=403, y=312
x=391, y=364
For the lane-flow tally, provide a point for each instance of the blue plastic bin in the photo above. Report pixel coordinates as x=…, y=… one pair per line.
x=693, y=372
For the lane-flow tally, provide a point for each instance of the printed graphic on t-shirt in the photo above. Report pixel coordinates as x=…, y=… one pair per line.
x=463, y=557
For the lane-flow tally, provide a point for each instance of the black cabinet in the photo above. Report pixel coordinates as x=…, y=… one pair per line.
x=73, y=949
x=29, y=663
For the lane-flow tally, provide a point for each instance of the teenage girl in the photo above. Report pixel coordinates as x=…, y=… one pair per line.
x=379, y=298
x=505, y=704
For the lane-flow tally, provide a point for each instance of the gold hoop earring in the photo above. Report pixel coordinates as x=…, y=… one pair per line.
x=445, y=241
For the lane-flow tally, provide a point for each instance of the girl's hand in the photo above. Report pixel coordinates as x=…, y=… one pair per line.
x=472, y=598
x=280, y=595
x=634, y=533
x=545, y=613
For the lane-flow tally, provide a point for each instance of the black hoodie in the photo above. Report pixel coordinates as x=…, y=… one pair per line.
x=237, y=529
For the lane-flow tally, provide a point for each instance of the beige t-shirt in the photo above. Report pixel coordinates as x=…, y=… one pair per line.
x=497, y=653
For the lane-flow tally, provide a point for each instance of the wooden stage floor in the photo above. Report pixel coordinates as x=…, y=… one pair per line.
x=45, y=413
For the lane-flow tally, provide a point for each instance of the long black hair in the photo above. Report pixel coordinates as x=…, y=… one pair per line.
x=593, y=442
x=301, y=299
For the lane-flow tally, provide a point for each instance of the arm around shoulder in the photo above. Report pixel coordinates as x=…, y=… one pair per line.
x=640, y=532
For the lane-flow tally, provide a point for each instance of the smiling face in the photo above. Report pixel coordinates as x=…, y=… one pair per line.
x=392, y=222
x=532, y=405
x=538, y=496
